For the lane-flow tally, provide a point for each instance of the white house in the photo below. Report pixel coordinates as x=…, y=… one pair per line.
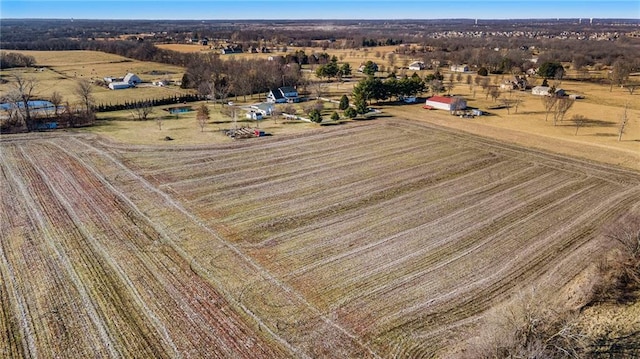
x=132, y=79
x=283, y=95
x=544, y=91
x=416, y=66
x=446, y=103
x=459, y=68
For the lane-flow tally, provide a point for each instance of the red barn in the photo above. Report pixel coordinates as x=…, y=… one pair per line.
x=446, y=103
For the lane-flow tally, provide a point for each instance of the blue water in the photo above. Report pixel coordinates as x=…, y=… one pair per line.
x=39, y=104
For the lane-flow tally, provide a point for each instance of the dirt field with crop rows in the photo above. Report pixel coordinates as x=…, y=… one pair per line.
x=380, y=238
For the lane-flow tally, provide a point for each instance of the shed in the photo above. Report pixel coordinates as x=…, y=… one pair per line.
x=545, y=91
x=119, y=85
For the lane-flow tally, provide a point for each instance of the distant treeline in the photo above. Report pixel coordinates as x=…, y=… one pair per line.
x=129, y=105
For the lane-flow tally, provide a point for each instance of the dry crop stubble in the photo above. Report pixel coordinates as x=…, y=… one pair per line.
x=369, y=240
x=313, y=215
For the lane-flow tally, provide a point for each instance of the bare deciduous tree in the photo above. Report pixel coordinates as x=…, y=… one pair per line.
x=202, y=116
x=578, y=121
x=84, y=91
x=142, y=110
x=21, y=94
x=56, y=100
x=623, y=123
x=528, y=328
x=549, y=102
x=563, y=105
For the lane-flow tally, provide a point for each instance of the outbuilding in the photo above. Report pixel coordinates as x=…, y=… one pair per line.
x=546, y=91
x=446, y=103
x=119, y=85
x=132, y=79
x=459, y=68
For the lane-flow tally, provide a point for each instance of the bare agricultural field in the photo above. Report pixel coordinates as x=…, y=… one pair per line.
x=374, y=239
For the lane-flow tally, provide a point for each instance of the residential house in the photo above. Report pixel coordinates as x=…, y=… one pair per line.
x=416, y=66
x=283, y=95
x=459, y=68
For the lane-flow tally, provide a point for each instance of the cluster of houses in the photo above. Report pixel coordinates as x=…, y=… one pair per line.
x=515, y=83
x=118, y=83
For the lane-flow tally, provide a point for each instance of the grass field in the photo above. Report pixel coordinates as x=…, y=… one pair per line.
x=379, y=238
x=62, y=69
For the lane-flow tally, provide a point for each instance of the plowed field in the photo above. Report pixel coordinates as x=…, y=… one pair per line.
x=379, y=239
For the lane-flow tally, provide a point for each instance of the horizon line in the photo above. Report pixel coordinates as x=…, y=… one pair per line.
x=327, y=19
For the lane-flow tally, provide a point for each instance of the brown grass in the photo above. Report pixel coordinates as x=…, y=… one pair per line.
x=62, y=69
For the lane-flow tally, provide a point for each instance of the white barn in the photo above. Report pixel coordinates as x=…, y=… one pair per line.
x=544, y=91
x=132, y=79
x=119, y=85
x=446, y=103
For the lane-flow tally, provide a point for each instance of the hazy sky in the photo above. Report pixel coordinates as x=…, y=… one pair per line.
x=328, y=9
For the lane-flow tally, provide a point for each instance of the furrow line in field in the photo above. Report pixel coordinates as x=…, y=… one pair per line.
x=53, y=294
x=330, y=192
x=417, y=228
x=453, y=244
x=282, y=214
x=291, y=157
x=245, y=179
x=83, y=291
x=494, y=234
x=97, y=247
x=383, y=220
x=314, y=247
x=263, y=272
x=38, y=218
x=538, y=252
x=294, y=188
x=605, y=172
x=403, y=206
x=226, y=335
x=13, y=301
